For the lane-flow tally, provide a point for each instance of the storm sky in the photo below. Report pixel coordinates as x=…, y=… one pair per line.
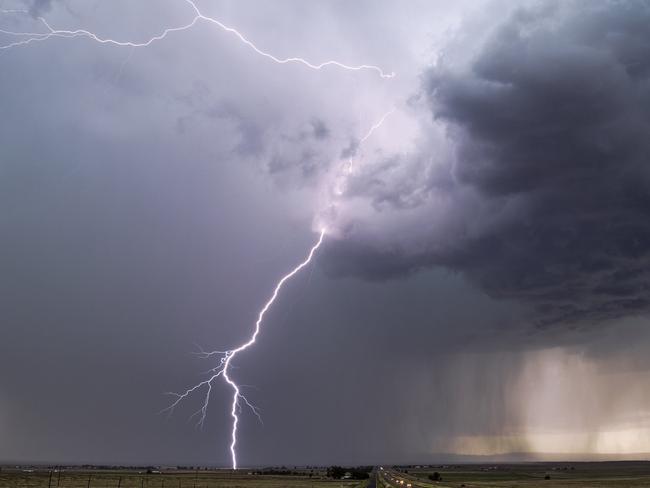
x=482, y=287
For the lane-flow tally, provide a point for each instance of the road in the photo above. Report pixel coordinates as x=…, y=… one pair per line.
x=399, y=480
x=373, y=480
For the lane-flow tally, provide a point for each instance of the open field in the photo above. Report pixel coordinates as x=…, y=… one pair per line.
x=17, y=478
x=521, y=475
x=525, y=475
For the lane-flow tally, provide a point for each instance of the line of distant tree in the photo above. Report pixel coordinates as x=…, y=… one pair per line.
x=279, y=472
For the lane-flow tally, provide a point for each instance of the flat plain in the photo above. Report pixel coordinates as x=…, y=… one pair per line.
x=632, y=474
x=76, y=478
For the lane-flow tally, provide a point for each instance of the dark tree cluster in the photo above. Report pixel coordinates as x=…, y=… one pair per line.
x=435, y=476
x=358, y=473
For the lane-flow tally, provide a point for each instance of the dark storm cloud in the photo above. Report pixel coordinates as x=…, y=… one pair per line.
x=299, y=153
x=549, y=121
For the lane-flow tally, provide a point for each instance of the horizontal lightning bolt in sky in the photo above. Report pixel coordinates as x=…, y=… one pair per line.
x=225, y=358
x=24, y=38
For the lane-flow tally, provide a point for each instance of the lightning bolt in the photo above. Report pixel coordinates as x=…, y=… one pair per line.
x=345, y=170
x=225, y=358
x=25, y=38
x=377, y=125
x=225, y=362
x=229, y=357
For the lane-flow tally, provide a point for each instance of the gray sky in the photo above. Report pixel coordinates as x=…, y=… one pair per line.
x=482, y=286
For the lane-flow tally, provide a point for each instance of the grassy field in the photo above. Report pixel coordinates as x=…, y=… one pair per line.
x=529, y=475
x=14, y=478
